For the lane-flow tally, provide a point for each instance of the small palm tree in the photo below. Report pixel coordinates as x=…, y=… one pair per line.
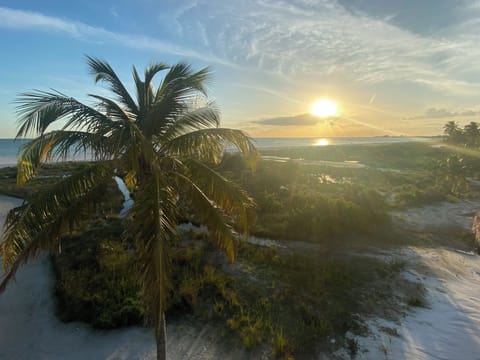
x=163, y=143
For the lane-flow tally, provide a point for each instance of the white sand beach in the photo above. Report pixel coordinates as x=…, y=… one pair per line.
x=449, y=326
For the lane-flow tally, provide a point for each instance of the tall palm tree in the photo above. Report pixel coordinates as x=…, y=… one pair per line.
x=163, y=142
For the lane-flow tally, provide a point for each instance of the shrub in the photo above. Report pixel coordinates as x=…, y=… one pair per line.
x=95, y=281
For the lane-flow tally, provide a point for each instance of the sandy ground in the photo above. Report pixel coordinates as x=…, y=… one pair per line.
x=30, y=330
x=440, y=216
x=449, y=326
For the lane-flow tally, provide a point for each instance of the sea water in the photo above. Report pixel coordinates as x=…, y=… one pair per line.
x=10, y=148
x=276, y=143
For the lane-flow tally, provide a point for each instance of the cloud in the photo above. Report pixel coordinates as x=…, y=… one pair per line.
x=318, y=39
x=440, y=113
x=29, y=20
x=299, y=40
x=276, y=93
x=295, y=120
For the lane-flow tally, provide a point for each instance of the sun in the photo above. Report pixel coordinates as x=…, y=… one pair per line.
x=324, y=108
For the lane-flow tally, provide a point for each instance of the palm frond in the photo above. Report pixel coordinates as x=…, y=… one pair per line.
x=216, y=220
x=160, y=115
x=104, y=72
x=203, y=117
x=145, y=95
x=181, y=77
x=37, y=110
x=139, y=153
x=224, y=193
x=38, y=224
x=178, y=91
x=142, y=96
x=153, y=70
x=112, y=110
x=208, y=145
x=153, y=227
x=58, y=145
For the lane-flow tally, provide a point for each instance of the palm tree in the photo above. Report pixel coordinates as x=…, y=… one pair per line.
x=163, y=143
x=472, y=134
x=453, y=132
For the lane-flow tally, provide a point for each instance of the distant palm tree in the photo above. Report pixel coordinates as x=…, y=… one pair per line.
x=472, y=134
x=453, y=132
x=163, y=143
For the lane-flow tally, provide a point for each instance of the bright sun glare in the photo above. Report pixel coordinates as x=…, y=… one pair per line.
x=321, y=142
x=324, y=108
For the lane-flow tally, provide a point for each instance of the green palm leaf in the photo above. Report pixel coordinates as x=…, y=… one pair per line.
x=208, y=145
x=153, y=223
x=224, y=193
x=37, y=110
x=102, y=71
x=197, y=119
x=59, y=145
x=216, y=220
x=38, y=224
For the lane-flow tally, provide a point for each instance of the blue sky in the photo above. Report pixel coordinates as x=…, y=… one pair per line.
x=393, y=67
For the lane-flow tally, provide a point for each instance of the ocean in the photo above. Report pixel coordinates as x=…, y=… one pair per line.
x=275, y=143
x=9, y=148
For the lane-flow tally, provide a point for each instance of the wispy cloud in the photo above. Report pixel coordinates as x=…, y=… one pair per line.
x=276, y=93
x=440, y=113
x=28, y=20
x=295, y=120
x=302, y=40
x=321, y=39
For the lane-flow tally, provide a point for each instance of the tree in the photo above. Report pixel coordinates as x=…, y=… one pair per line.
x=164, y=143
x=472, y=134
x=453, y=132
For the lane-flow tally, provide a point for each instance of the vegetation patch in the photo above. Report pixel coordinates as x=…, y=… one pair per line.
x=95, y=282
x=295, y=303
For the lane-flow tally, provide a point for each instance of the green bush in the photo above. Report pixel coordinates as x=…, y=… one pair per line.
x=96, y=281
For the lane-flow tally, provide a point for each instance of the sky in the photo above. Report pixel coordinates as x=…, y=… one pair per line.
x=392, y=67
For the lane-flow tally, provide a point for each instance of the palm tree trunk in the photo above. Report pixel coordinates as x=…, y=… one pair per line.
x=161, y=338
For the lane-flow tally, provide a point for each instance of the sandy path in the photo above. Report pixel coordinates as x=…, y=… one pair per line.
x=30, y=330
x=449, y=327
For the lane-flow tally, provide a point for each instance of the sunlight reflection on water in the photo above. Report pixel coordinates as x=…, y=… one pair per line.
x=321, y=142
